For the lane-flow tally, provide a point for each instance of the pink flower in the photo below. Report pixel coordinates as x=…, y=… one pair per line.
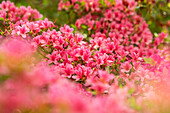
x=126, y=67
x=32, y=26
x=136, y=65
x=17, y=48
x=69, y=70
x=86, y=55
x=23, y=30
x=66, y=29
x=78, y=38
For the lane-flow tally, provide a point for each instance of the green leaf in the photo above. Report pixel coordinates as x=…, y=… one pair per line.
x=45, y=2
x=1, y=19
x=131, y=90
x=1, y=33
x=149, y=60
x=84, y=26
x=74, y=27
x=3, y=78
x=102, y=2
x=83, y=3
x=156, y=34
x=123, y=60
x=108, y=69
x=112, y=1
x=133, y=104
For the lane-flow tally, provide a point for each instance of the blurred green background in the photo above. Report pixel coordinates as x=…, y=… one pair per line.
x=157, y=14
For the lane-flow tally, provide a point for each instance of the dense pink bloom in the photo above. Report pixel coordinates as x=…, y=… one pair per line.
x=15, y=14
x=114, y=69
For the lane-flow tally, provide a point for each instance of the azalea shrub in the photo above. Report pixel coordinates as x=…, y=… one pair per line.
x=108, y=62
x=155, y=12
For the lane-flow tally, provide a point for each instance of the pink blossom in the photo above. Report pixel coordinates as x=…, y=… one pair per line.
x=23, y=30
x=126, y=66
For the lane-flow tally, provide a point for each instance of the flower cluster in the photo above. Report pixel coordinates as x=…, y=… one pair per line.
x=84, y=5
x=78, y=73
x=9, y=11
x=30, y=86
x=117, y=37
x=31, y=29
x=115, y=24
